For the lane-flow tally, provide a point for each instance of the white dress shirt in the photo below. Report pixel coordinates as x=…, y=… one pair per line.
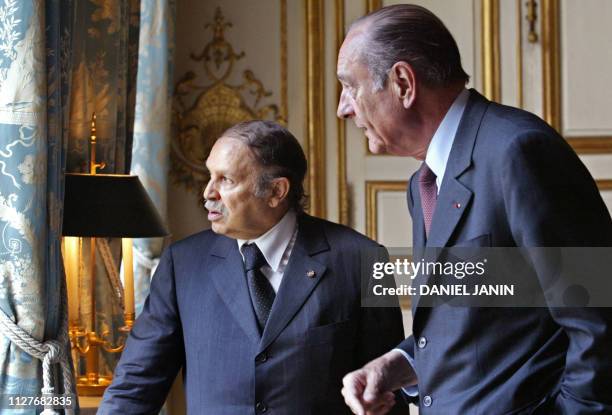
x=442, y=141
x=276, y=246
x=437, y=156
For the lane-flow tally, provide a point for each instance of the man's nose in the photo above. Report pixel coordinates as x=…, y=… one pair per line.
x=345, y=108
x=210, y=192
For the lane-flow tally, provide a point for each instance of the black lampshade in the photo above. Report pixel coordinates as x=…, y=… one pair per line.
x=109, y=205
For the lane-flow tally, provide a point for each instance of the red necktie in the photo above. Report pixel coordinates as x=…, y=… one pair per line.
x=429, y=194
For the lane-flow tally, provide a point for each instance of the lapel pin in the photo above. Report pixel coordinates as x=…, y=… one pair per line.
x=311, y=274
x=457, y=205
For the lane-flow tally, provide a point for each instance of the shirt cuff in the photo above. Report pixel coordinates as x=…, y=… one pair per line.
x=411, y=390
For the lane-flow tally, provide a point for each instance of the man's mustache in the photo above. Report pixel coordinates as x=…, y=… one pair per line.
x=216, y=206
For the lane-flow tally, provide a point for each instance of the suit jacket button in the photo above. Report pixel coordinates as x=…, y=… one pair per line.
x=261, y=407
x=422, y=342
x=262, y=357
x=427, y=401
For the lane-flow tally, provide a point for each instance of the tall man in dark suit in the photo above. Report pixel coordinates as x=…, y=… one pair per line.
x=492, y=176
x=263, y=312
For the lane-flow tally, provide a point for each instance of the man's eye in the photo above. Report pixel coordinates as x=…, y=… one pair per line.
x=350, y=91
x=225, y=179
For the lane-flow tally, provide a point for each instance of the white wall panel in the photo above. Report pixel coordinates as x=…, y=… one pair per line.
x=586, y=67
x=393, y=221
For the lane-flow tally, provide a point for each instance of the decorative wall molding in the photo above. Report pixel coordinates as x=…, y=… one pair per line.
x=604, y=184
x=343, y=195
x=491, y=71
x=315, y=106
x=519, y=54
x=284, y=65
x=373, y=187
x=372, y=5
x=551, y=64
x=591, y=144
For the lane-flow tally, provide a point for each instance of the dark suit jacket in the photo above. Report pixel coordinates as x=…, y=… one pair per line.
x=199, y=316
x=518, y=183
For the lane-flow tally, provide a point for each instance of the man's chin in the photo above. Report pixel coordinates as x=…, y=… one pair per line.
x=217, y=228
x=376, y=147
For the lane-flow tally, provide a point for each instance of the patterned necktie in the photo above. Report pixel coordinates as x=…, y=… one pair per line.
x=429, y=194
x=262, y=293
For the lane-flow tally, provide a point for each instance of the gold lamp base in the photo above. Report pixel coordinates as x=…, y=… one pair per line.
x=87, y=344
x=85, y=387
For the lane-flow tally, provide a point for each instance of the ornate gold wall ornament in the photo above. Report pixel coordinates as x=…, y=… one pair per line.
x=532, y=19
x=216, y=107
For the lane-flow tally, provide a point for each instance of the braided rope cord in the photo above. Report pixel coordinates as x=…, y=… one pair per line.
x=49, y=352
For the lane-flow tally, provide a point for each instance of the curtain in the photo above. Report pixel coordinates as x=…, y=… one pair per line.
x=150, y=152
x=151, y=146
x=35, y=56
x=61, y=61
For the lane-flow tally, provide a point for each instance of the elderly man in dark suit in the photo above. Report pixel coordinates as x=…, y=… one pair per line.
x=493, y=176
x=263, y=312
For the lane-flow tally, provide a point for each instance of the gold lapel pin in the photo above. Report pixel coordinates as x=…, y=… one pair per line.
x=311, y=274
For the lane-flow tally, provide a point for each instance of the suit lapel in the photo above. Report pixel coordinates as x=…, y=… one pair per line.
x=297, y=285
x=454, y=198
x=451, y=206
x=227, y=272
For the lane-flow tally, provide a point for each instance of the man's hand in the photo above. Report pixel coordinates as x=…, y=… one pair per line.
x=369, y=390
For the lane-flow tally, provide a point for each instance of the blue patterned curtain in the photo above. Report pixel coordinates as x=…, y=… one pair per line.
x=60, y=61
x=35, y=56
x=150, y=152
x=151, y=147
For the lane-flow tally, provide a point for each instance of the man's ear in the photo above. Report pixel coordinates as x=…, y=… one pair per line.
x=279, y=191
x=403, y=82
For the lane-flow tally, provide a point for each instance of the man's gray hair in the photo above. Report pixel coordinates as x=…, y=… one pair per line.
x=279, y=154
x=413, y=34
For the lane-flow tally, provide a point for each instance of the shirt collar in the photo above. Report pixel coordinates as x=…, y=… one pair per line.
x=273, y=243
x=441, y=143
